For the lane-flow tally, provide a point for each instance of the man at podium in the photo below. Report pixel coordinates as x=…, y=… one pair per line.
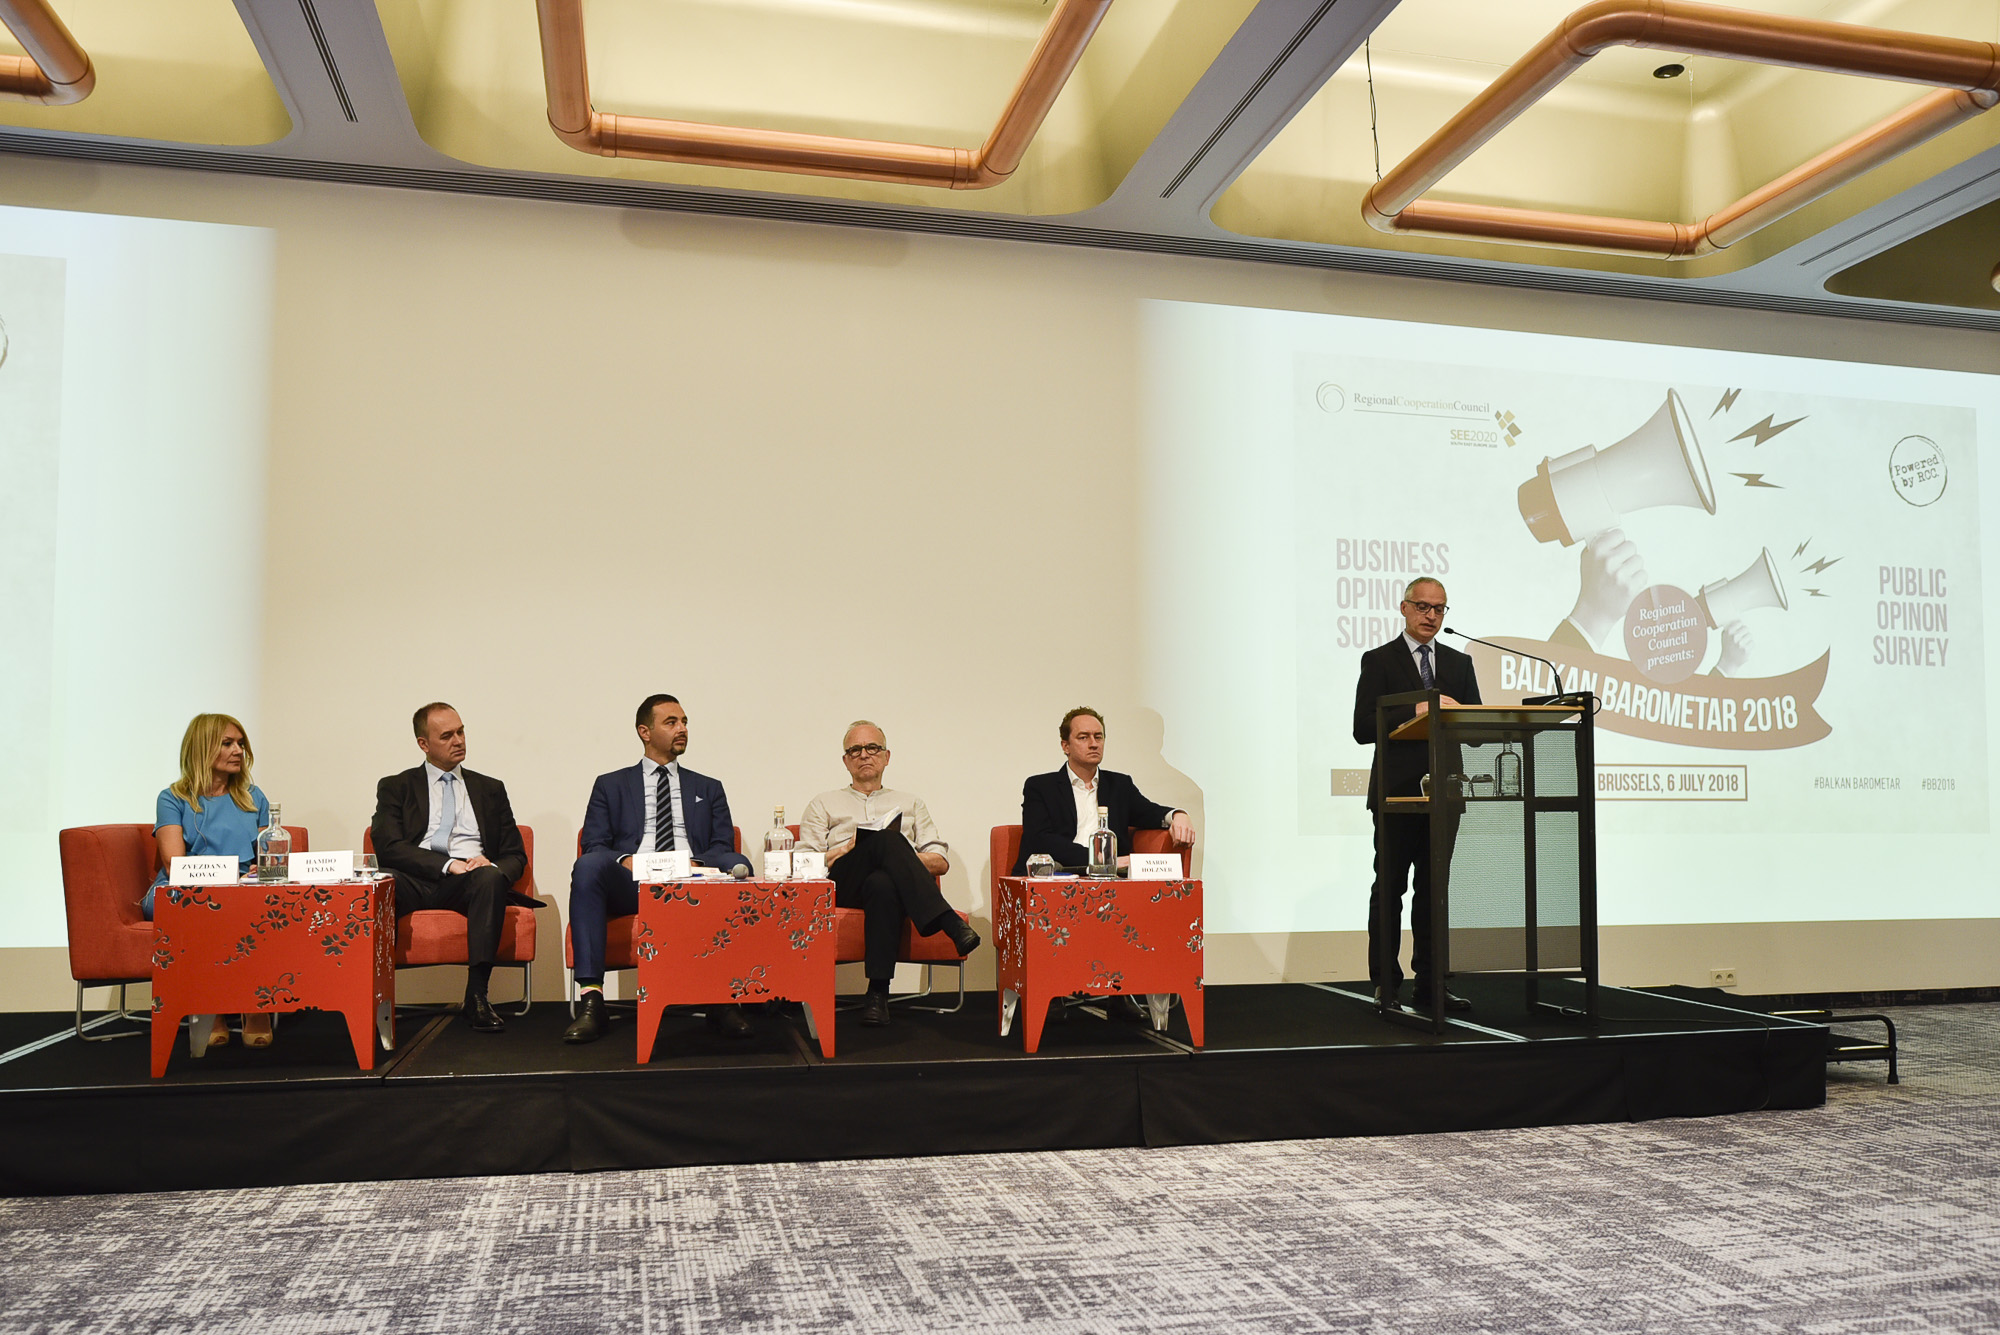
x=1410, y=662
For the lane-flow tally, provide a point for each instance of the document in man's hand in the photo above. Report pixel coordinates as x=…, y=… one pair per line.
x=889, y=824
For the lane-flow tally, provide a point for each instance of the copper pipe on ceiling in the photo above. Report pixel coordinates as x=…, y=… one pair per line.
x=1969, y=72
x=565, y=69
x=56, y=70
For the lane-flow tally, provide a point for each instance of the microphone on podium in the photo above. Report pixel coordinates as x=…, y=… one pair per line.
x=1561, y=697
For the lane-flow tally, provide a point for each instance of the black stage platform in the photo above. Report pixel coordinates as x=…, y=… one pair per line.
x=1282, y=1061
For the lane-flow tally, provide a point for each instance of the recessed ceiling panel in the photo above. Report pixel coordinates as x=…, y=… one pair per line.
x=1953, y=264
x=1616, y=139
x=919, y=71
x=184, y=71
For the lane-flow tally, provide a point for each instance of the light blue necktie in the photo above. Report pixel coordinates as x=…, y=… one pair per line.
x=441, y=841
x=1424, y=666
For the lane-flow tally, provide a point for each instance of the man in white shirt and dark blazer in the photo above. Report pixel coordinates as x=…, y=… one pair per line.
x=449, y=836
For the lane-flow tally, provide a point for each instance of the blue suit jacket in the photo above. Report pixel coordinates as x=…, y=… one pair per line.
x=616, y=817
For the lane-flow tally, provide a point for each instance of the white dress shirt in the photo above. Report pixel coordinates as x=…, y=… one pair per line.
x=1086, y=804
x=465, y=829
x=650, y=776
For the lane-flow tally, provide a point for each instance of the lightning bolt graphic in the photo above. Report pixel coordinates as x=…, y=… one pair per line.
x=1821, y=564
x=1728, y=400
x=1756, y=480
x=1800, y=549
x=1815, y=593
x=1763, y=431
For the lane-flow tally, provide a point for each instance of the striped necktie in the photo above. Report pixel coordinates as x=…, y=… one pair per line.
x=663, y=811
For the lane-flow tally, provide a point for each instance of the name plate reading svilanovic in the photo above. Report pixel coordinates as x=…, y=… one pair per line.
x=203, y=871
x=1154, y=867
x=320, y=868
x=677, y=865
x=808, y=865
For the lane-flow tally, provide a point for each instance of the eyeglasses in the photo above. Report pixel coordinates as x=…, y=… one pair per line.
x=865, y=749
x=1426, y=609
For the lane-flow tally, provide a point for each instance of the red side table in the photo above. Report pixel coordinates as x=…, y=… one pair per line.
x=275, y=946
x=1108, y=938
x=713, y=940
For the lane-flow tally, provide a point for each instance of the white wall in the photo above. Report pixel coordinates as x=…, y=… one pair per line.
x=794, y=475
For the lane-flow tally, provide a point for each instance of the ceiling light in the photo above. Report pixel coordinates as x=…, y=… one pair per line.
x=1670, y=71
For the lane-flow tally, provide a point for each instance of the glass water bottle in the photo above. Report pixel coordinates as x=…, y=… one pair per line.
x=1507, y=772
x=274, y=848
x=1103, y=846
x=778, y=846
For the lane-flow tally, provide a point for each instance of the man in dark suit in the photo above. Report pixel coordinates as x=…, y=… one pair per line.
x=1059, y=810
x=1410, y=662
x=450, y=838
x=655, y=805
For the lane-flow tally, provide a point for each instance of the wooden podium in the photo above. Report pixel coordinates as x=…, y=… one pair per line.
x=1513, y=843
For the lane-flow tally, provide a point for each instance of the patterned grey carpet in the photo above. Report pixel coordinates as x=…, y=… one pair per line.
x=1877, y=1213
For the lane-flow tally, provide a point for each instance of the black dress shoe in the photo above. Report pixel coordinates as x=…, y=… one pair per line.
x=485, y=1020
x=591, y=1022
x=963, y=938
x=1385, y=999
x=1452, y=1001
x=875, y=1009
x=730, y=1022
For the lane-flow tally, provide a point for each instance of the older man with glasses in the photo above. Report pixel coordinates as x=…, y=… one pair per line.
x=883, y=852
x=1410, y=662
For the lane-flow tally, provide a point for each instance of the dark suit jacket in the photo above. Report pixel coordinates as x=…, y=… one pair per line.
x=1048, y=816
x=616, y=817
x=403, y=813
x=1389, y=670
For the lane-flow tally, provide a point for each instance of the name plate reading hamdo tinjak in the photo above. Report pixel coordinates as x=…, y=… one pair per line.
x=808, y=865
x=203, y=871
x=1154, y=867
x=651, y=868
x=320, y=868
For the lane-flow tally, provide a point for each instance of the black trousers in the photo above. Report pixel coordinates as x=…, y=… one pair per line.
x=1402, y=856
x=884, y=878
x=481, y=895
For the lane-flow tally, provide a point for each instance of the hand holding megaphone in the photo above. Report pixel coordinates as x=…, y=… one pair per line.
x=1736, y=646
x=1611, y=575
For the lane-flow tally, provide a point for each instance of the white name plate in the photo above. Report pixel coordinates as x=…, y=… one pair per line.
x=1154, y=867
x=320, y=868
x=203, y=871
x=808, y=865
x=777, y=864
x=651, y=868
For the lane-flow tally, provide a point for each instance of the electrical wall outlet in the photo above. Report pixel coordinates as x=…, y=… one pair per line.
x=1722, y=977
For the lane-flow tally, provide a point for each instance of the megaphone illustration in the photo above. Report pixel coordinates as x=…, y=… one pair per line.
x=1758, y=586
x=1590, y=490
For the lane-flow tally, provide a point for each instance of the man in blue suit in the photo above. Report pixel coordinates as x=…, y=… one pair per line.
x=655, y=805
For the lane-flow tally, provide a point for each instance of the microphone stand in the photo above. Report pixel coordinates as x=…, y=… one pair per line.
x=1581, y=699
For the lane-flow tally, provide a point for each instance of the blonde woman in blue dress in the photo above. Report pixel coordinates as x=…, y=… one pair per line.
x=212, y=810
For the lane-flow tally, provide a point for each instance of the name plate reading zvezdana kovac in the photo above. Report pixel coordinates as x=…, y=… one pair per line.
x=203, y=871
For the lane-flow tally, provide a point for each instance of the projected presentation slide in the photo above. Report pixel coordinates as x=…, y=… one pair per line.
x=134, y=387
x=1769, y=570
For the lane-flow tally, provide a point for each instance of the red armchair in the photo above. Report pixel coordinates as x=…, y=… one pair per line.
x=105, y=870
x=437, y=936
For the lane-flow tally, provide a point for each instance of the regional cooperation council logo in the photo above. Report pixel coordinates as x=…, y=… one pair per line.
x=1917, y=471
x=1331, y=397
